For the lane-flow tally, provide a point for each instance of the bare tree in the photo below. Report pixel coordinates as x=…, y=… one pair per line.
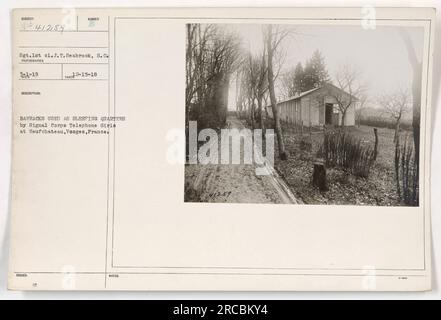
x=262, y=86
x=211, y=57
x=396, y=105
x=253, y=71
x=254, y=80
x=273, y=36
x=287, y=83
x=348, y=81
x=361, y=107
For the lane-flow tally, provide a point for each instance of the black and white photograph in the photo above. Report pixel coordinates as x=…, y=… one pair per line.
x=245, y=151
x=303, y=114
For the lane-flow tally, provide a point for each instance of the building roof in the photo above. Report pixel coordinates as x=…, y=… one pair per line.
x=305, y=93
x=300, y=95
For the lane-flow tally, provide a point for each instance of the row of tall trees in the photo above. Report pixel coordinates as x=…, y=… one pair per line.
x=212, y=55
x=253, y=88
x=256, y=81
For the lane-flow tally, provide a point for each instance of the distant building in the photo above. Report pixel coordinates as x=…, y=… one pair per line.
x=316, y=107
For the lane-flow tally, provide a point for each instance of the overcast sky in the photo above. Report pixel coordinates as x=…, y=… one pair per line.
x=379, y=54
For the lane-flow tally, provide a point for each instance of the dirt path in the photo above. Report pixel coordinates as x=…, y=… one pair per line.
x=237, y=183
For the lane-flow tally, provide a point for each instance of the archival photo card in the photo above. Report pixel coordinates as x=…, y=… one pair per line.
x=232, y=149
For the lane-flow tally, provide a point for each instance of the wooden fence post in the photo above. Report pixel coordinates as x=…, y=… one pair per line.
x=376, y=143
x=319, y=175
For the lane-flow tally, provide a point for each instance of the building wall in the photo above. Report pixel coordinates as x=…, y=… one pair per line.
x=313, y=108
x=350, y=115
x=310, y=110
x=289, y=111
x=305, y=111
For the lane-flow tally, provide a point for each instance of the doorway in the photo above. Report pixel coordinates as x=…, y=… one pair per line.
x=329, y=110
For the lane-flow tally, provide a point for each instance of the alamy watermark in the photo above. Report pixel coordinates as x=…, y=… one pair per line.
x=229, y=146
x=369, y=21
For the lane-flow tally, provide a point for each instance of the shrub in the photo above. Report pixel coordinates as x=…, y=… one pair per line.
x=381, y=122
x=340, y=149
x=305, y=144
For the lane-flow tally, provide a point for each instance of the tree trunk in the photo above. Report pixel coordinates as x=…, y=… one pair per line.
x=343, y=117
x=397, y=130
x=262, y=124
x=416, y=93
x=253, y=114
x=319, y=175
x=277, y=127
x=416, y=109
x=376, y=143
x=259, y=104
x=397, y=167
